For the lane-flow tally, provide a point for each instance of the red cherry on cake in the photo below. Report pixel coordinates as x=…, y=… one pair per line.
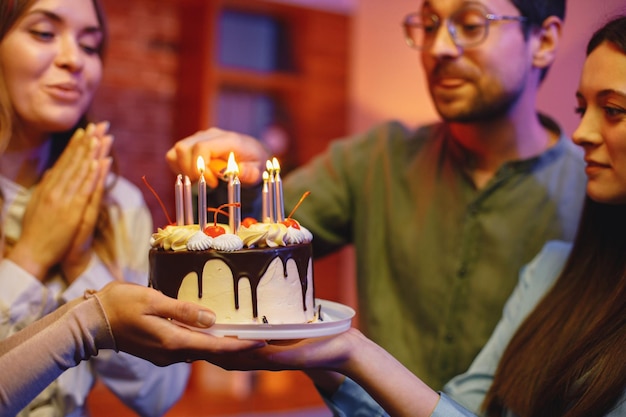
x=248, y=221
x=214, y=231
x=291, y=222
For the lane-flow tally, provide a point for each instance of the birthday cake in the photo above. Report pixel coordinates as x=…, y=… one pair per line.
x=260, y=272
x=264, y=282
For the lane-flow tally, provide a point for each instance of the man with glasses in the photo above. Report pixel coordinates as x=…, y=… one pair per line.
x=444, y=217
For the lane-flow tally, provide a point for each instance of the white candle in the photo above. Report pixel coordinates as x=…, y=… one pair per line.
x=278, y=194
x=271, y=192
x=188, y=207
x=180, y=208
x=265, y=194
x=236, y=219
x=234, y=194
x=202, y=211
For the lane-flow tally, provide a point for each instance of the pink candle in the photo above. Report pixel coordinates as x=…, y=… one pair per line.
x=265, y=198
x=180, y=208
x=278, y=194
x=188, y=207
x=202, y=210
x=272, y=191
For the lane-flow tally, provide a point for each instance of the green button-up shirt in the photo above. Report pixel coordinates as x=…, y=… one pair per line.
x=436, y=257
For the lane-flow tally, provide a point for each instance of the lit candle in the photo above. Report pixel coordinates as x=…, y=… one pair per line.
x=271, y=191
x=180, y=208
x=266, y=198
x=187, y=201
x=202, y=211
x=278, y=194
x=234, y=194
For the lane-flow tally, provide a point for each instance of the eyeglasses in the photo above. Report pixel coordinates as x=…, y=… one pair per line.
x=468, y=26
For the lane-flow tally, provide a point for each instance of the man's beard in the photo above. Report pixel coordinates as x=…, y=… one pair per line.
x=482, y=110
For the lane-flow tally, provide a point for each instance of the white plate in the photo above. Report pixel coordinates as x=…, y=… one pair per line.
x=336, y=317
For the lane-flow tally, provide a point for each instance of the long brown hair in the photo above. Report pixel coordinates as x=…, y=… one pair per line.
x=11, y=11
x=567, y=358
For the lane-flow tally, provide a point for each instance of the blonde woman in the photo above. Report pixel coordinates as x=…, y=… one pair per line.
x=68, y=224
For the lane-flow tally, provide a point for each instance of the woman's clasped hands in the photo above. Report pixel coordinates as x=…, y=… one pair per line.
x=59, y=221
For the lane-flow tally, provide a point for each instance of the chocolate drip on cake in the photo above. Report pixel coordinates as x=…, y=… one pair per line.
x=167, y=276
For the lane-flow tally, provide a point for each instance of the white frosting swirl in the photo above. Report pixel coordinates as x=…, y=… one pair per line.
x=199, y=241
x=227, y=242
x=294, y=236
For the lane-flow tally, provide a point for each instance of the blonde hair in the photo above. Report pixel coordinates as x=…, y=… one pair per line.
x=10, y=13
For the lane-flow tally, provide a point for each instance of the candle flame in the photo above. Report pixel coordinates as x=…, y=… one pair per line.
x=231, y=166
x=200, y=164
x=276, y=165
x=269, y=166
x=266, y=176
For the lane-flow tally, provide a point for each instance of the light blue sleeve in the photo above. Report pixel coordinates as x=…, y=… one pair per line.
x=447, y=407
x=350, y=400
x=470, y=388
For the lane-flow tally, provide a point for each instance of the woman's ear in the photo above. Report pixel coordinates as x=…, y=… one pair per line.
x=546, y=42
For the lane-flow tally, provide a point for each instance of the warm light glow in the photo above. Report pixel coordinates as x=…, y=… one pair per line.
x=231, y=166
x=200, y=165
x=266, y=176
x=269, y=166
x=275, y=165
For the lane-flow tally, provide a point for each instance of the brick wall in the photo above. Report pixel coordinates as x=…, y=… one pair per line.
x=138, y=93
